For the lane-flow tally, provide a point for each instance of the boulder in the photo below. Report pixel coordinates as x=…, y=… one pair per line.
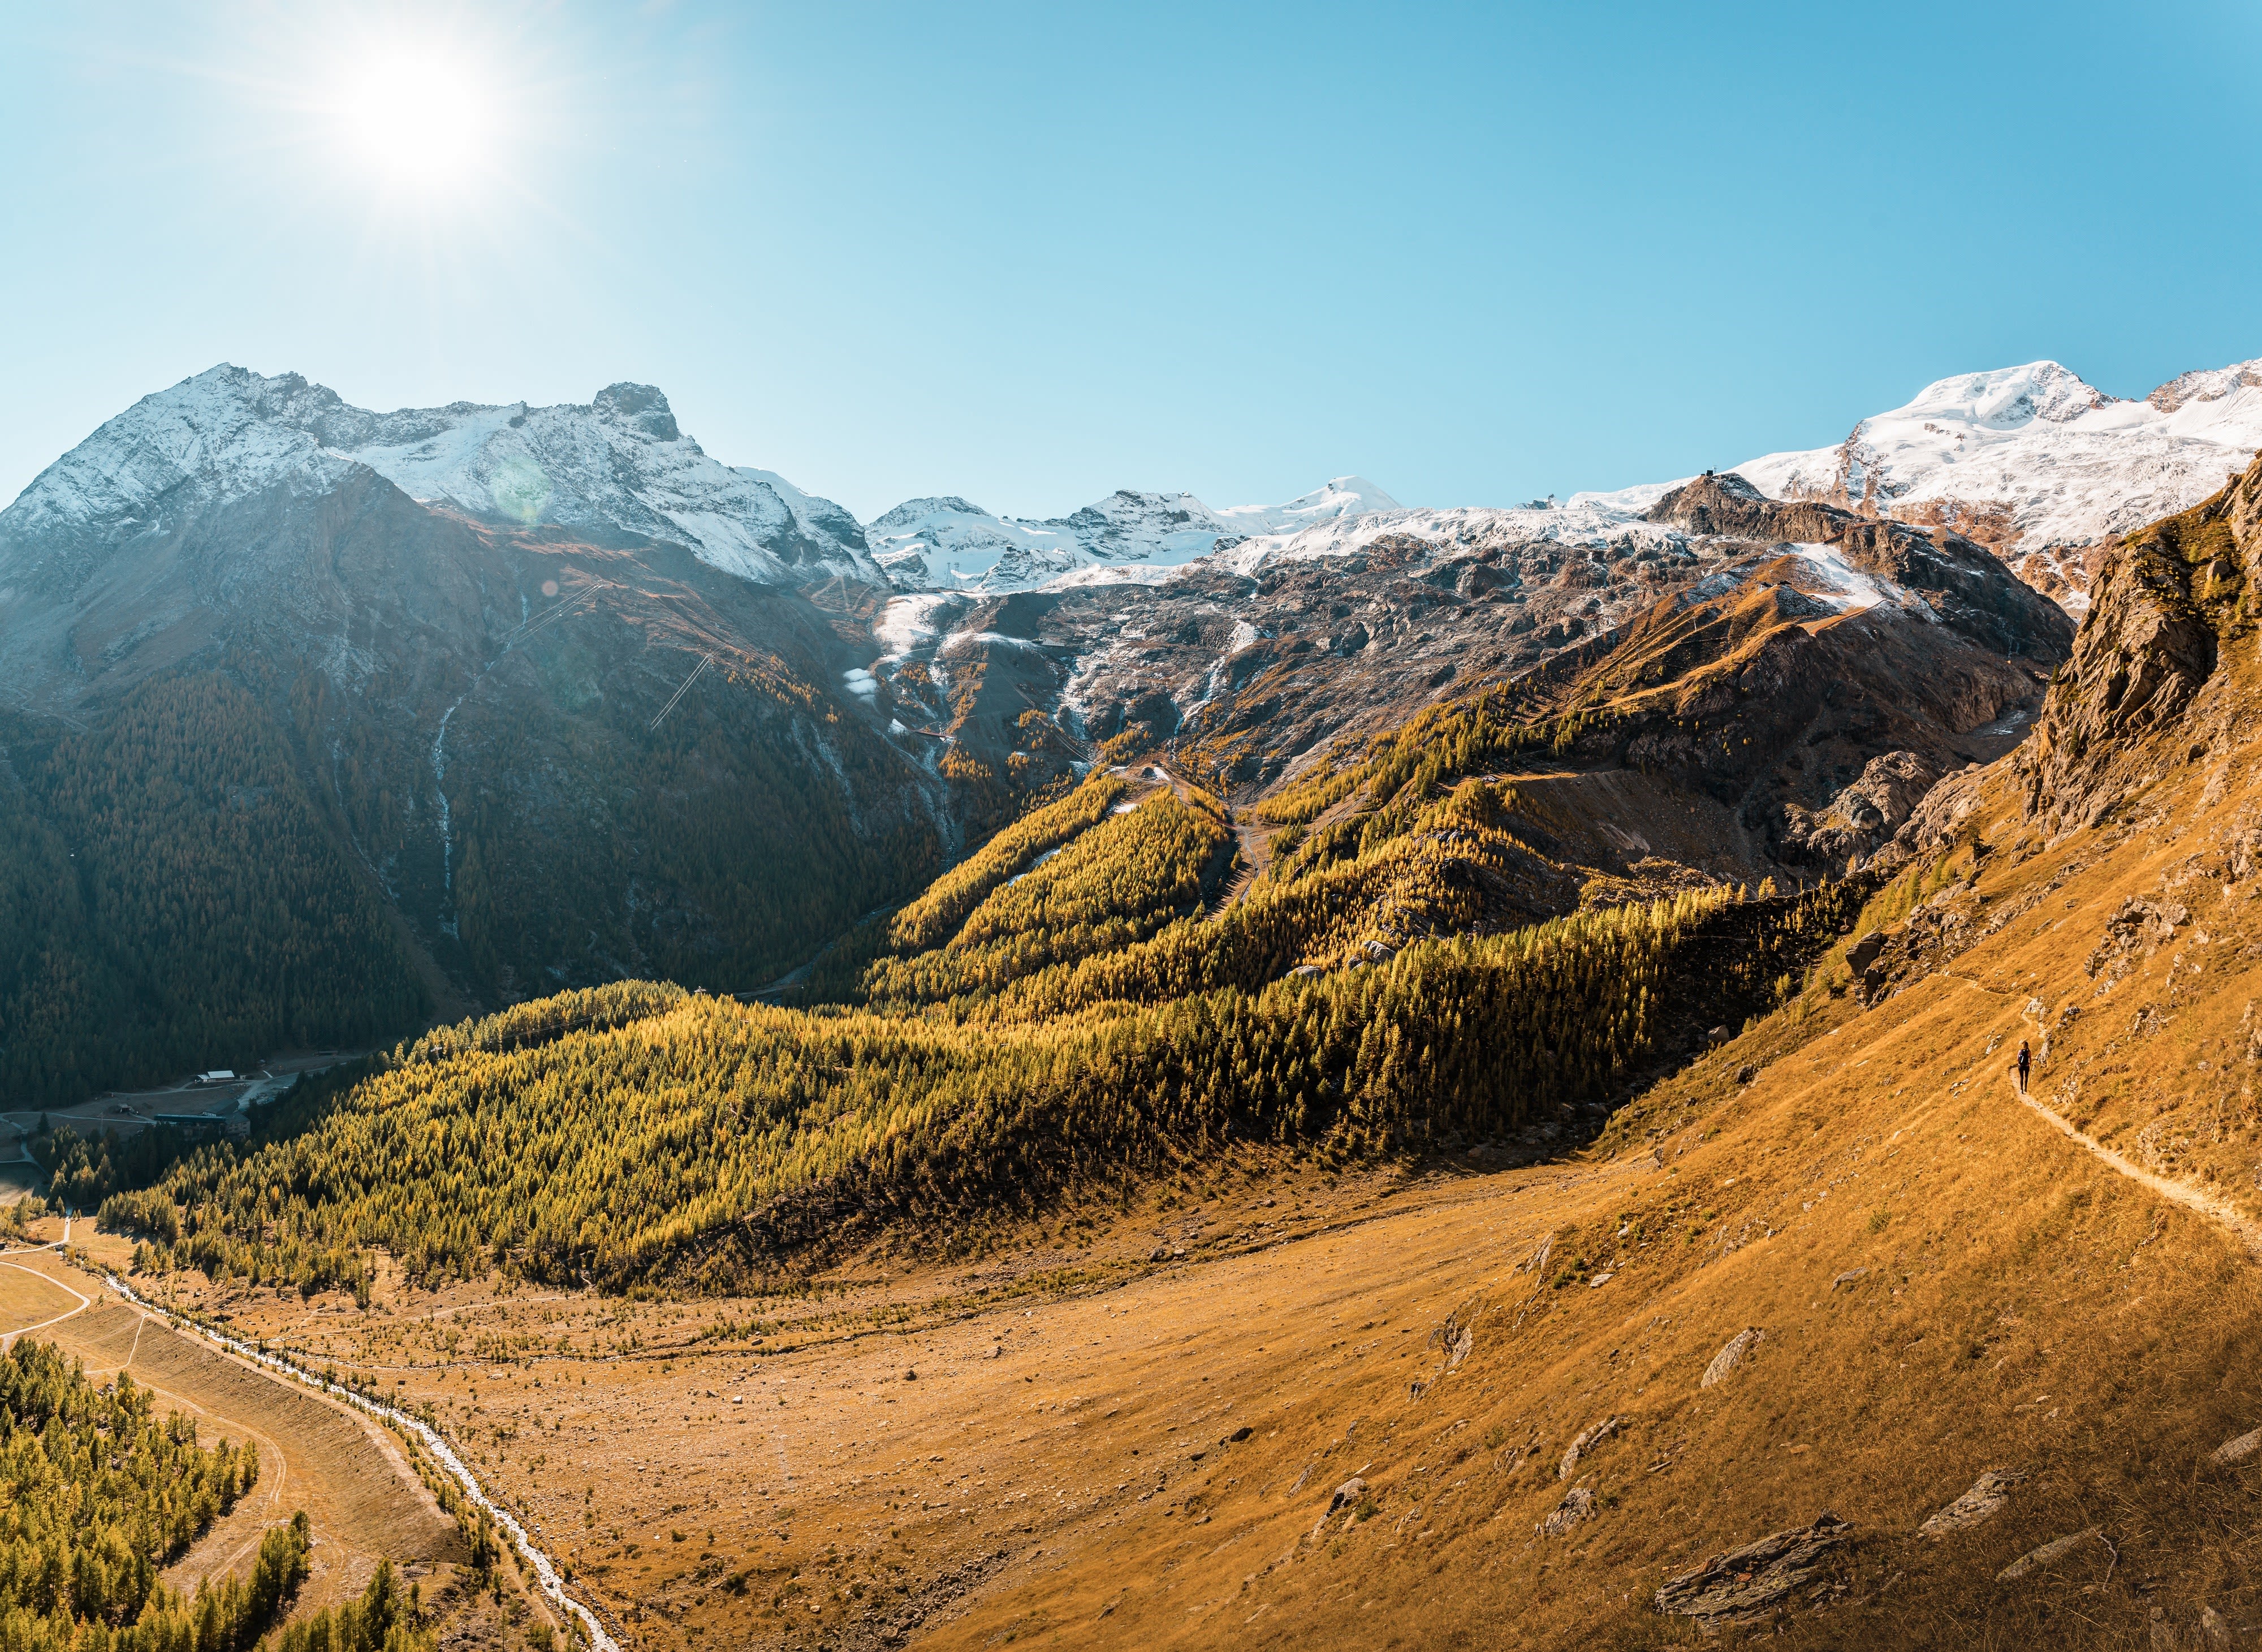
x=1346, y=1497
x=1733, y=1354
x=1455, y=1338
x=2049, y=1554
x=1748, y=1583
x=1585, y=1442
x=2240, y=1447
x=1578, y=1504
x=1988, y=1494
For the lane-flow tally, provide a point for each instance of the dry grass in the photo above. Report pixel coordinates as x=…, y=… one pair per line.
x=1946, y=1285
x=28, y=1298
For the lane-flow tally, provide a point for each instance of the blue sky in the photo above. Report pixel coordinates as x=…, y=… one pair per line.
x=1028, y=254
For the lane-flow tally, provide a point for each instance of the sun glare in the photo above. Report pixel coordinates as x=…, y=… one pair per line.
x=423, y=123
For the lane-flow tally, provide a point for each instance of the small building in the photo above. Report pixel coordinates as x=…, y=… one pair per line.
x=218, y=1074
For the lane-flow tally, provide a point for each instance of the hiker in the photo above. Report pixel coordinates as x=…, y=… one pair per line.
x=2026, y=1060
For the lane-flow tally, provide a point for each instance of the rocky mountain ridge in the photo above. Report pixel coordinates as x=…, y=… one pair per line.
x=948, y=543
x=2035, y=462
x=618, y=464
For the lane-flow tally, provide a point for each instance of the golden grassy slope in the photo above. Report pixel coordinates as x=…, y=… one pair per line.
x=2024, y=1306
x=1946, y=1285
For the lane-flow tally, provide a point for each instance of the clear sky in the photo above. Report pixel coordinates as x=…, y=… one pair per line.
x=1028, y=254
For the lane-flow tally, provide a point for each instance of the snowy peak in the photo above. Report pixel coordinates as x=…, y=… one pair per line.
x=2212, y=384
x=222, y=433
x=2007, y=399
x=1128, y=524
x=948, y=543
x=911, y=512
x=619, y=463
x=641, y=408
x=1343, y=498
x=2031, y=459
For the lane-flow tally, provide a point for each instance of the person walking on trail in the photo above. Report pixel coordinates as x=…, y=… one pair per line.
x=2026, y=1060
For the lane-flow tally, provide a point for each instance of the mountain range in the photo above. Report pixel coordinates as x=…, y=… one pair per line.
x=2029, y=460
x=543, y=696
x=1616, y=1073
x=1198, y=1219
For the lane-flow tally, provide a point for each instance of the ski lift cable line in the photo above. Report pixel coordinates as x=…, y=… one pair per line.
x=555, y=608
x=527, y=628
x=543, y=618
x=537, y=628
x=705, y=660
x=545, y=623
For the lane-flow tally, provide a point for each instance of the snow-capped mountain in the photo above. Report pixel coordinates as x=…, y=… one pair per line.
x=948, y=543
x=2030, y=461
x=1343, y=499
x=618, y=462
x=1584, y=522
x=2033, y=461
x=223, y=434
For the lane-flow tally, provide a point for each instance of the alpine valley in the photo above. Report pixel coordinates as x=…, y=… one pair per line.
x=403, y=697
x=1330, y=1073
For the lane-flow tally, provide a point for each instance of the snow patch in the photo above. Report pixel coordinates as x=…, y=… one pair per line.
x=906, y=622
x=1854, y=590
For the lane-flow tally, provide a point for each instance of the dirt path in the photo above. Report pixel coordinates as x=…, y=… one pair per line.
x=1253, y=852
x=2215, y=1210
x=2190, y=1198
x=311, y=1397
x=1254, y=841
x=84, y=1302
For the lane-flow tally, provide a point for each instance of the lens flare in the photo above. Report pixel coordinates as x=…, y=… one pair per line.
x=519, y=489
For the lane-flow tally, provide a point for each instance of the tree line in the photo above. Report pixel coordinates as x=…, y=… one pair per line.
x=698, y=1143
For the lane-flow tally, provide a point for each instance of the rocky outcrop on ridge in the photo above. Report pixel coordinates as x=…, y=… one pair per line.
x=2179, y=593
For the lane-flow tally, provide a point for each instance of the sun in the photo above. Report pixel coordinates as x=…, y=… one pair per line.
x=421, y=120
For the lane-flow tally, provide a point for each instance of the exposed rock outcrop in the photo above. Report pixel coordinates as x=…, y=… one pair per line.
x=1753, y=1582
x=1578, y=1504
x=2159, y=616
x=1732, y=1354
x=1587, y=1439
x=1964, y=585
x=2239, y=1447
x=1987, y=1495
x=2049, y=1554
